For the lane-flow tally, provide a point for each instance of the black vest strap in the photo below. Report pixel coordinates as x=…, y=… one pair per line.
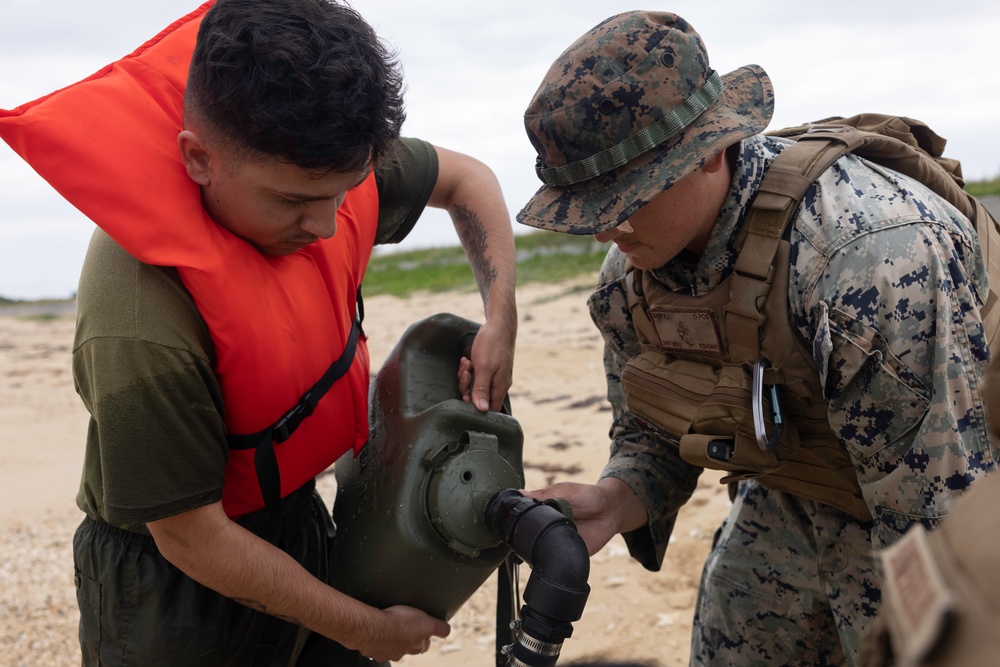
x=265, y=460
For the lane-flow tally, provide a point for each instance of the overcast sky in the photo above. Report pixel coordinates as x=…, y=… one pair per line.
x=472, y=67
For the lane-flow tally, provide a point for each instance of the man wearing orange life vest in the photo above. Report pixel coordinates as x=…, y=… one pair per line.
x=219, y=293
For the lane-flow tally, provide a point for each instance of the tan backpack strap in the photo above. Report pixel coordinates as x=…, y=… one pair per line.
x=637, y=306
x=899, y=143
x=902, y=144
x=910, y=147
x=989, y=241
x=781, y=190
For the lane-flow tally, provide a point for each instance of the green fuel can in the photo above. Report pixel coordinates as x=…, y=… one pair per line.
x=410, y=507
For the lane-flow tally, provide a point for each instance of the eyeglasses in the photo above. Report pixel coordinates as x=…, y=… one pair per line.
x=625, y=228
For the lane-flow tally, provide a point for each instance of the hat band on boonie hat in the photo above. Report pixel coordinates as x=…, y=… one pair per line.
x=638, y=144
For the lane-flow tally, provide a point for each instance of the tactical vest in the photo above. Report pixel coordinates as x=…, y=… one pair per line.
x=691, y=387
x=723, y=376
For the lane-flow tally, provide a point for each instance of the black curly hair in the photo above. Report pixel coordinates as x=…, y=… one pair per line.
x=306, y=81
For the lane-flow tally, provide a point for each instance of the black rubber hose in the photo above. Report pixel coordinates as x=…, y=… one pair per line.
x=557, y=589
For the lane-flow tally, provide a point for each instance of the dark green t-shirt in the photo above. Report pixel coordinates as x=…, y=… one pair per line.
x=143, y=364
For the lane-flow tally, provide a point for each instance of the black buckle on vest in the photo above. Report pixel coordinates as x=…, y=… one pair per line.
x=286, y=425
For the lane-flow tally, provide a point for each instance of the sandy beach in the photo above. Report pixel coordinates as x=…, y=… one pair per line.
x=558, y=397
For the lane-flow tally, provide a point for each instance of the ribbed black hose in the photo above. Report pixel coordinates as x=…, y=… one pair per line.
x=557, y=589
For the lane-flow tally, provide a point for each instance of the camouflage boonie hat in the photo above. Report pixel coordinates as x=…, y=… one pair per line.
x=627, y=110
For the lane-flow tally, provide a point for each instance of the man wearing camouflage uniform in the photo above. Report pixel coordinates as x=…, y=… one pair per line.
x=641, y=143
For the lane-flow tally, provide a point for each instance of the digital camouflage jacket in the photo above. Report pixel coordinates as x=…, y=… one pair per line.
x=874, y=255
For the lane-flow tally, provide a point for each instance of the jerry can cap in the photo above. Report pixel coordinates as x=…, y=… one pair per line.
x=467, y=473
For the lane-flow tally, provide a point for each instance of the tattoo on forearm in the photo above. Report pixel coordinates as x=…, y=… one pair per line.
x=260, y=606
x=474, y=239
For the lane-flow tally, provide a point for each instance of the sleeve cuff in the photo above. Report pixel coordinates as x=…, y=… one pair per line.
x=662, y=500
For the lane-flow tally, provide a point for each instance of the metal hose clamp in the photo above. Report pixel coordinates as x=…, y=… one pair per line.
x=759, y=425
x=537, y=645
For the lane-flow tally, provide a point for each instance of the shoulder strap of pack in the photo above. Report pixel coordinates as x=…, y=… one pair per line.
x=638, y=306
x=989, y=241
x=902, y=144
x=778, y=196
x=910, y=147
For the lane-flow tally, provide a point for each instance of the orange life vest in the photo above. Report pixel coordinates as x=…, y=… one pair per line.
x=108, y=145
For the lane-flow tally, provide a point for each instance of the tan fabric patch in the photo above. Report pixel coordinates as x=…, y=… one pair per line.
x=690, y=329
x=917, y=592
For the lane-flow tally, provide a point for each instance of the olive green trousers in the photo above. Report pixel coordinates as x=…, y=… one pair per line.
x=138, y=609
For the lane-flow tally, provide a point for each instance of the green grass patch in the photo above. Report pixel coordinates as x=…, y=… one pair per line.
x=983, y=188
x=541, y=257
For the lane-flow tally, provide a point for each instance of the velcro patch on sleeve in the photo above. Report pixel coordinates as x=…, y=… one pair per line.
x=916, y=597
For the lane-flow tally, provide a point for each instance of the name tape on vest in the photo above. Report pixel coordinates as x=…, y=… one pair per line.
x=688, y=329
